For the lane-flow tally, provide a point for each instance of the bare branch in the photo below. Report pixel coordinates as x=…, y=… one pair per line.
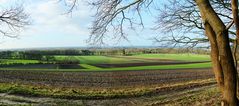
x=229, y=25
x=71, y=4
x=12, y=20
x=114, y=15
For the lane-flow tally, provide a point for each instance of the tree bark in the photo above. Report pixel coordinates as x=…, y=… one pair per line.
x=225, y=58
x=235, y=16
x=234, y=4
x=216, y=66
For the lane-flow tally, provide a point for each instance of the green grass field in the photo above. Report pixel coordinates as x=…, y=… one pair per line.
x=97, y=59
x=183, y=57
x=15, y=61
x=129, y=59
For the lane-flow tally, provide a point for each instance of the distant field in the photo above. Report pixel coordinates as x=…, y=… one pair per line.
x=116, y=63
x=98, y=59
x=160, y=67
x=137, y=58
x=136, y=68
x=183, y=57
x=16, y=61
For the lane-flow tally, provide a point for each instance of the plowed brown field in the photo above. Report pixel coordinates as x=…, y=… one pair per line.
x=114, y=79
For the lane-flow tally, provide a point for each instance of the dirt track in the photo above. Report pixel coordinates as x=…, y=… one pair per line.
x=115, y=79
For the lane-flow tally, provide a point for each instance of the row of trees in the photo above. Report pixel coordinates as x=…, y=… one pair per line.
x=48, y=54
x=23, y=55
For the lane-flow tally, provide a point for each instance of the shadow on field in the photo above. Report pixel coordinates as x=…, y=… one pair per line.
x=145, y=64
x=43, y=66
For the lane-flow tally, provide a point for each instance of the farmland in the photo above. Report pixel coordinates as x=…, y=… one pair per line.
x=93, y=77
x=121, y=63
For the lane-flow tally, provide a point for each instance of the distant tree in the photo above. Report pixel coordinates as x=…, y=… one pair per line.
x=86, y=52
x=124, y=52
x=70, y=60
x=48, y=59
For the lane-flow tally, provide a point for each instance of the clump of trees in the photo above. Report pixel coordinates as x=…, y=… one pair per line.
x=68, y=61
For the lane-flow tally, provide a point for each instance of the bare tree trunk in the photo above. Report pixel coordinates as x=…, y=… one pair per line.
x=216, y=66
x=229, y=70
x=235, y=16
x=234, y=4
x=225, y=58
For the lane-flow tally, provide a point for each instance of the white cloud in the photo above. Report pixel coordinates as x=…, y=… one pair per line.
x=50, y=27
x=3, y=1
x=48, y=17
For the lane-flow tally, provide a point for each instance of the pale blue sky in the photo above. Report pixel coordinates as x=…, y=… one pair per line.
x=50, y=28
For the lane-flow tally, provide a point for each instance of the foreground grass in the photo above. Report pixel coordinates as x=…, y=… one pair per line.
x=205, y=97
x=78, y=93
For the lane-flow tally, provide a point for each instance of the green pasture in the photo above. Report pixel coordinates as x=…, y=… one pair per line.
x=15, y=61
x=98, y=59
x=183, y=57
x=140, y=58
